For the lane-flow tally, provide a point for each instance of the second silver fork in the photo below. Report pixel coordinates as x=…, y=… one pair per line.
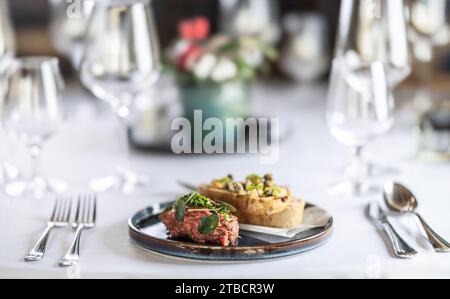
x=60, y=218
x=85, y=218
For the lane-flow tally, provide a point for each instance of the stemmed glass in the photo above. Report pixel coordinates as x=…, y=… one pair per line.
x=373, y=31
x=356, y=116
x=429, y=27
x=31, y=111
x=7, y=52
x=121, y=60
x=7, y=41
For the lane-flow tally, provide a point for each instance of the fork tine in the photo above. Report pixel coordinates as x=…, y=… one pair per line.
x=94, y=215
x=62, y=205
x=68, y=210
x=62, y=209
x=87, y=215
x=77, y=214
x=83, y=209
x=87, y=202
x=55, y=208
x=91, y=208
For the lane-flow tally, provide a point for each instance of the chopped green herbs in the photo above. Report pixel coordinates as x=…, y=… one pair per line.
x=253, y=185
x=254, y=179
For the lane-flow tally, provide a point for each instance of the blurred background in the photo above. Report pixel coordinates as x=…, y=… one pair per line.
x=31, y=19
x=223, y=56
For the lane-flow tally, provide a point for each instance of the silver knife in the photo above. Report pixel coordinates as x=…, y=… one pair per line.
x=401, y=248
x=187, y=186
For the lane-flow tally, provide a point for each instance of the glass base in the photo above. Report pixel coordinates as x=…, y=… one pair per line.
x=37, y=188
x=353, y=188
x=371, y=169
x=379, y=170
x=125, y=181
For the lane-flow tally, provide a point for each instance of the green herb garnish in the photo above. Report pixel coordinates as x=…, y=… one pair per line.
x=196, y=201
x=180, y=209
x=208, y=224
x=253, y=185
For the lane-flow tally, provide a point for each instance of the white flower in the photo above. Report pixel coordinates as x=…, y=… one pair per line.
x=204, y=66
x=253, y=57
x=251, y=52
x=179, y=48
x=224, y=70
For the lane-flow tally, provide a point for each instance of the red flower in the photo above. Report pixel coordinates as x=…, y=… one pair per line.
x=195, y=29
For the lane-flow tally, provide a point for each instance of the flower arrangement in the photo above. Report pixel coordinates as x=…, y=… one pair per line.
x=196, y=57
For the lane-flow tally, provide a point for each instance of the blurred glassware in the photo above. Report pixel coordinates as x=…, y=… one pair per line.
x=68, y=21
x=370, y=31
x=357, y=116
x=32, y=113
x=251, y=17
x=305, y=56
x=7, y=53
x=7, y=40
x=373, y=31
x=435, y=134
x=153, y=113
x=121, y=61
x=429, y=22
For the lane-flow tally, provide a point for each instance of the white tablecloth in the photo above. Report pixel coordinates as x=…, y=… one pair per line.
x=310, y=161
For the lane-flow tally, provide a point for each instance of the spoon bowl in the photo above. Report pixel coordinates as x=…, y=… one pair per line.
x=399, y=198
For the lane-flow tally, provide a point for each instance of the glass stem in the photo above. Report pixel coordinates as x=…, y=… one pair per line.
x=424, y=95
x=35, y=153
x=2, y=173
x=358, y=168
x=124, y=148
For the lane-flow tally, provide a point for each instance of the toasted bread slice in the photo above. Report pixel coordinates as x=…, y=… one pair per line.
x=246, y=206
x=292, y=217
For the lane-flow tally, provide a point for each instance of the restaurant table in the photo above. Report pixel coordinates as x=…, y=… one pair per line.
x=310, y=161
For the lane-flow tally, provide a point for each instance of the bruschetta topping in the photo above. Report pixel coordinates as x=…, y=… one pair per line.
x=253, y=186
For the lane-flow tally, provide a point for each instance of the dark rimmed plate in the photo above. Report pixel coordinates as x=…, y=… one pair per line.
x=148, y=232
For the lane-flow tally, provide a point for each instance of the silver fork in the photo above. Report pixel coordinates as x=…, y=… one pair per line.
x=84, y=219
x=60, y=218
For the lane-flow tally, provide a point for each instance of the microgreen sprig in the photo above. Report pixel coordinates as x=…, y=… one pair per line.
x=193, y=200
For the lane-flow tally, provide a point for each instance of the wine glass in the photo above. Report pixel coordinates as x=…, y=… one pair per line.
x=429, y=27
x=31, y=111
x=356, y=116
x=121, y=60
x=7, y=41
x=7, y=53
x=68, y=21
x=374, y=31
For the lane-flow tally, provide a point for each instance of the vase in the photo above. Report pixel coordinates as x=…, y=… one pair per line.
x=221, y=101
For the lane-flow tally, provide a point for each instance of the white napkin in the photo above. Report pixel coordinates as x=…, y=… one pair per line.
x=314, y=217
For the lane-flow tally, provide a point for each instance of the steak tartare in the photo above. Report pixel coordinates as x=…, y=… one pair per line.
x=199, y=219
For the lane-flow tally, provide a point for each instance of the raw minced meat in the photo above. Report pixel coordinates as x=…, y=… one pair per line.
x=225, y=234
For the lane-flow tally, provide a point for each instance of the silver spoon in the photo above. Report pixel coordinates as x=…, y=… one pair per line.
x=398, y=198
